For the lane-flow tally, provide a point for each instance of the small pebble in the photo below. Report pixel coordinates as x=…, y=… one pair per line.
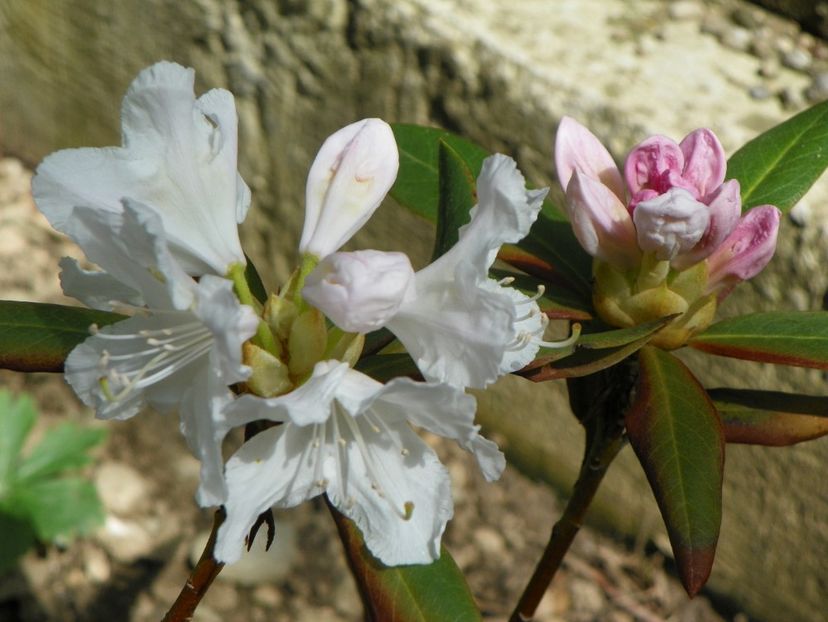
x=818, y=90
x=759, y=92
x=797, y=59
x=768, y=69
x=737, y=38
x=784, y=45
x=122, y=489
x=267, y=596
x=791, y=98
x=762, y=48
x=748, y=17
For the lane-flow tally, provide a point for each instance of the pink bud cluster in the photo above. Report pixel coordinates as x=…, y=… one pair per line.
x=672, y=202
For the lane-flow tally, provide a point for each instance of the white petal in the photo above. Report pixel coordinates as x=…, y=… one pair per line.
x=231, y=323
x=271, y=468
x=445, y=411
x=131, y=247
x=95, y=289
x=139, y=361
x=400, y=502
x=529, y=328
x=455, y=331
x=360, y=291
x=349, y=178
x=504, y=214
x=306, y=405
x=176, y=160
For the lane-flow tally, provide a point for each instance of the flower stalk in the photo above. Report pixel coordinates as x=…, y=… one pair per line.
x=599, y=402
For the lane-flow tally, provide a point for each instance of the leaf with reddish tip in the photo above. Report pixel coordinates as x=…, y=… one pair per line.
x=38, y=337
x=420, y=593
x=781, y=337
x=677, y=436
x=769, y=417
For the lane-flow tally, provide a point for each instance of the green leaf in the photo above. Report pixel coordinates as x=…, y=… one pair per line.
x=770, y=417
x=57, y=507
x=384, y=367
x=17, y=416
x=592, y=353
x=418, y=182
x=63, y=447
x=558, y=303
x=38, y=337
x=781, y=337
x=677, y=436
x=420, y=593
x=254, y=281
x=779, y=166
x=457, y=196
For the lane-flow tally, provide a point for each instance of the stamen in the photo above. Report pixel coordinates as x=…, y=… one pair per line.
x=541, y=291
x=506, y=280
x=576, y=333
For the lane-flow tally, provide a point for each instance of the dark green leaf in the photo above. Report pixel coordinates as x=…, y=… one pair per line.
x=781, y=337
x=418, y=183
x=779, y=166
x=17, y=416
x=558, y=303
x=420, y=593
x=677, y=436
x=63, y=447
x=769, y=417
x=622, y=336
x=39, y=337
x=254, y=281
x=56, y=507
x=457, y=196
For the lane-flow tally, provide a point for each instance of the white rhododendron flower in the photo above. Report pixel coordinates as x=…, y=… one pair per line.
x=459, y=325
x=350, y=437
x=178, y=158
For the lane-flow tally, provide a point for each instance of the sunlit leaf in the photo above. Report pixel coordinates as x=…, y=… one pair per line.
x=770, y=417
x=419, y=593
x=779, y=166
x=781, y=337
x=62, y=447
x=56, y=507
x=17, y=416
x=677, y=436
x=38, y=337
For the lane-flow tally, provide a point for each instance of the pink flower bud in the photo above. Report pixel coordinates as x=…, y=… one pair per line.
x=745, y=252
x=353, y=171
x=654, y=164
x=601, y=222
x=360, y=291
x=725, y=207
x=670, y=224
x=704, y=161
x=576, y=148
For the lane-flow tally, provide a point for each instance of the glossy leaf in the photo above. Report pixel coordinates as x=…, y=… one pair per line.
x=556, y=302
x=677, y=436
x=770, y=417
x=419, y=593
x=781, y=337
x=38, y=337
x=622, y=336
x=779, y=166
x=418, y=182
x=254, y=281
x=457, y=196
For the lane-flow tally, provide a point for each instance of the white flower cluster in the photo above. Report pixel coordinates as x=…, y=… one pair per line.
x=159, y=217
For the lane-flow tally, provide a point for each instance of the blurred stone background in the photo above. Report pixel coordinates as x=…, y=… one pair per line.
x=502, y=73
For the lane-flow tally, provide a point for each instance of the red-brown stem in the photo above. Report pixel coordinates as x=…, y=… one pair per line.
x=200, y=578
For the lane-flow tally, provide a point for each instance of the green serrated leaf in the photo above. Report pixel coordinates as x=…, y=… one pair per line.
x=677, y=436
x=17, y=416
x=769, y=417
x=457, y=196
x=38, y=337
x=779, y=166
x=781, y=337
x=420, y=593
x=58, y=507
x=63, y=447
